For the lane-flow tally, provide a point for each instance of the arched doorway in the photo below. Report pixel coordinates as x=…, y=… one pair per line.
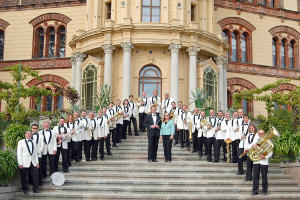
x=149, y=80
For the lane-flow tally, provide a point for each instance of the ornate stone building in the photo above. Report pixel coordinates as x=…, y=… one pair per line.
x=176, y=46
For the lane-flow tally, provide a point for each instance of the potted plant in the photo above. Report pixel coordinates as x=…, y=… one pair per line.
x=8, y=167
x=103, y=98
x=198, y=98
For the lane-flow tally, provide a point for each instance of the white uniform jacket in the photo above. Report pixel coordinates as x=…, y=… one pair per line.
x=70, y=126
x=102, y=127
x=27, y=153
x=50, y=144
x=66, y=135
x=39, y=142
x=83, y=126
x=212, y=121
x=76, y=137
x=167, y=105
x=210, y=133
x=226, y=129
x=119, y=109
x=152, y=101
x=183, y=116
x=202, y=132
x=133, y=108
x=219, y=134
x=243, y=131
x=176, y=114
x=234, y=125
x=195, y=119
x=127, y=112
x=92, y=124
x=143, y=108
x=250, y=140
x=112, y=122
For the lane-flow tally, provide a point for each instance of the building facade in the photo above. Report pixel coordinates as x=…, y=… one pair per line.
x=175, y=46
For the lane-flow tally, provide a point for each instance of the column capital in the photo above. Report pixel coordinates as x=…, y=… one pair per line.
x=192, y=51
x=220, y=60
x=108, y=48
x=77, y=57
x=127, y=46
x=175, y=48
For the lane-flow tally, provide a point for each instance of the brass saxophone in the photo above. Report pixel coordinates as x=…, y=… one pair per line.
x=172, y=114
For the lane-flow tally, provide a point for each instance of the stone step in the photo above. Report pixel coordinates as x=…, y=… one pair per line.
x=170, y=182
x=62, y=195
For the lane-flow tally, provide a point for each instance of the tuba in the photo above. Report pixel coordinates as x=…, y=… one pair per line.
x=265, y=146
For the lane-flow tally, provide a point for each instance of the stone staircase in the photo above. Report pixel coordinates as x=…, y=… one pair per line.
x=128, y=175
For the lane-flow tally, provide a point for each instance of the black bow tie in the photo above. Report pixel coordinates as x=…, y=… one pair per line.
x=246, y=124
x=47, y=130
x=154, y=115
x=61, y=126
x=29, y=140
x=240, y=117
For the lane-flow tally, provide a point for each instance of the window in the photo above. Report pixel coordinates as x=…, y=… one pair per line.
x=51, y=42
x=48, y=102
x=234, y=47
x=272, y=3
x=274, y=51
x=193, y=10
x=210, y=86
x=61, y=42
x=292, y=53
x=263, y=2
x=244, y=48
x=1, y=44
x=225, y=35
x=58, y=102
x=283, y=53
x=150, y=10
x=89, y=87
x=150, y=79
x=108, y=10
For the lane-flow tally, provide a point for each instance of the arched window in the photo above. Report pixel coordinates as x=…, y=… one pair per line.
x=150, y=79
x=40, y=36
x=274, y=51
x=263, y=2
x=1, y=44
x=51, y=42
x=283, y=53
x=61, y=42
x=244, y=48
x=150, y=10
x=272, y=3
x=234, y=47
x=89, y=87
x=210, y=86
x=292, y=53
x=225, y=35
x=48, y=102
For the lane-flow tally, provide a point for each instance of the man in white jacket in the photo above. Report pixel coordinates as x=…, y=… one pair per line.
x=38, y=139
x=202, y=132
x=155, y=100
x=183, y=121
x=195, y=119
x=143, y=109
x=219, y=138
x=119, y=122
x=167, y=103
x=134, y=110
x=28, y=162
x=102, y=132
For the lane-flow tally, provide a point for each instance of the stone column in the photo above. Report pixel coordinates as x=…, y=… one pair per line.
x=221, y=83
x=108, y=50
x=126, y=68
x=225, y=65
x=192, y=51
x=77, y=59
x=174, y=81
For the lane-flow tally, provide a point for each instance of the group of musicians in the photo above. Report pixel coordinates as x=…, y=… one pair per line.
x=92, y=132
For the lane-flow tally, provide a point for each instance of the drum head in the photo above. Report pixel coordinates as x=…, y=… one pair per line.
x=57, y=179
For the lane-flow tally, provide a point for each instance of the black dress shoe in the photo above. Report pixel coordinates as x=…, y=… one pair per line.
x=208, y=160
x=41, y=183
x=36, y=190
x=254, y=193
x=264, y=193
x=166, y=160
x=66, y=171
x=109, y=153
x=216, y=161
x=102, y=158
x=26, y=192
x=239, y=173
x=154, y=161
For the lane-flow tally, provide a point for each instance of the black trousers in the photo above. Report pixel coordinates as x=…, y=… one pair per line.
x=44, y=164
x=195, y=141
x=133, y=121
x=40, y=173
x=167, y=143
x=152, y=147
x=210, y=142
x=75, y=150
x=176, y=136
x=80, y=144
x=235, y=145
x=184, y=138
x=70, y=152
x=119, y=130
x=202, y=143
x=249, y=169
x=87, y=149
x=107, y=143
x=218, y=144
x=126, y=126
x=94, y=150
x=241, y=160
x=113, y=133
x=257, y=169
x=101, y=147
x=142, y=122
x=24, y=175
x=64, y=154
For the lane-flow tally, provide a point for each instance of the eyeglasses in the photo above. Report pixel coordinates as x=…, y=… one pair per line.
x=34, y=128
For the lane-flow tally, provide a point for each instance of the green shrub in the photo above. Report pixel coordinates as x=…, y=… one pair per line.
x=3, y=124
x=8, y=166
x=13, y=134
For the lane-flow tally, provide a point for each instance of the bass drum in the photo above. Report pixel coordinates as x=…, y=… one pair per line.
x=58, y=179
